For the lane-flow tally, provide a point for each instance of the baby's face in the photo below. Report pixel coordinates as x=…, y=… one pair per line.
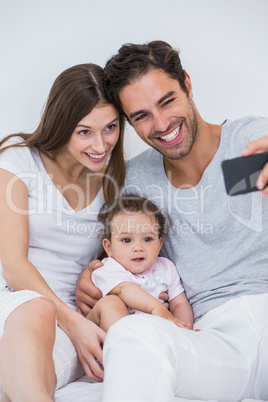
x=135, y=241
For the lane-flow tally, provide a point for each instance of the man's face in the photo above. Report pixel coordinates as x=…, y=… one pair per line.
x=162, y=114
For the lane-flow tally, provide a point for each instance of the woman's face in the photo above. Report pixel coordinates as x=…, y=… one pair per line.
x=95, y=137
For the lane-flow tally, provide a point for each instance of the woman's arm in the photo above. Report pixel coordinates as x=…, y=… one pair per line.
x=137, y=298
x=21, y=274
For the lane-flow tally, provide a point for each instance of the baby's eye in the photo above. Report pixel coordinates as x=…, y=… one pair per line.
x=126, y=240
x=111, y=127
x=147, y=239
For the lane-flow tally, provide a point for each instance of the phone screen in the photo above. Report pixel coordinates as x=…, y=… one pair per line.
x=241, y=174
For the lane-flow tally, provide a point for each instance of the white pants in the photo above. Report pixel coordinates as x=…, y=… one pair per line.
x=67, y=365
x=149, y=359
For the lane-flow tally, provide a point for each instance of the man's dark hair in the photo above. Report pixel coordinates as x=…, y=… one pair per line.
x=129, y=204
x=133, y=61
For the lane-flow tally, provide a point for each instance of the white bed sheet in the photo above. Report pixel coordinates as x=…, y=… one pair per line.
x=84, y=390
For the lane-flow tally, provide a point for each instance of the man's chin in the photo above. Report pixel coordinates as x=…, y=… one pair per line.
x=174, y=155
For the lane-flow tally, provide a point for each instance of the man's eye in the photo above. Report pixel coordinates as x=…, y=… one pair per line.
x=168, y=101
x=140, y=117
x=126, y=240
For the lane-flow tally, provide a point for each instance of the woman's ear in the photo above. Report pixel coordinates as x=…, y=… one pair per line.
x=107, y=247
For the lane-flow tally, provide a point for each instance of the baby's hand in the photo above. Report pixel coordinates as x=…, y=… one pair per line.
x=161, y=311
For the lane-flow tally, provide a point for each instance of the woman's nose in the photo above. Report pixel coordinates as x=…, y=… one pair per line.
x=99, y=144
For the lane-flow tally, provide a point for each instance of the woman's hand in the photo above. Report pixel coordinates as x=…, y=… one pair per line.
x=88, y=340
x=87, y=294
x=253, y=147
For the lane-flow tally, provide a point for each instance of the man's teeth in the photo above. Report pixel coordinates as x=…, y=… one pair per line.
x=172, y=135
x=97, y=156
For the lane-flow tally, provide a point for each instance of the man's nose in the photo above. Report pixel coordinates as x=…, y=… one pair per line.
x=161, y=122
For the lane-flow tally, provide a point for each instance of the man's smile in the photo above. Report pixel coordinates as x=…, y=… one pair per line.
x=172, y=137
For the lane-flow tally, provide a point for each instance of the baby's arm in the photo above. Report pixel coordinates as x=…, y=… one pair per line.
x=181, y=309
x=138, y=299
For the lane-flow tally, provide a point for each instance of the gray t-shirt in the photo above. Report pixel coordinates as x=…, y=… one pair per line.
x=217, y=242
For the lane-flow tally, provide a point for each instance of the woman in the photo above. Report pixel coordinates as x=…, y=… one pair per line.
x=52, y=184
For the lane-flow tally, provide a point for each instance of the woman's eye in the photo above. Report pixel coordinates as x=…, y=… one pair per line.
x=126, y=240
x=84, y=132
x=111, y=127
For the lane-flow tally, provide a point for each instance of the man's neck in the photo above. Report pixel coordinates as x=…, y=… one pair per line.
x=188, y=171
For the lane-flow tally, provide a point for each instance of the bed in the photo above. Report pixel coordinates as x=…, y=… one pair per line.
x=84, y=390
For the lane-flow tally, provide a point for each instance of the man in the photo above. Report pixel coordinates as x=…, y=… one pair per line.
x=217, y=242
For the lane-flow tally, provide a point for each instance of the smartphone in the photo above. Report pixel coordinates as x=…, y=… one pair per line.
x=240, y=174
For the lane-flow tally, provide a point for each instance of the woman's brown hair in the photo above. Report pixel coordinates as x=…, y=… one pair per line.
x=75, y=92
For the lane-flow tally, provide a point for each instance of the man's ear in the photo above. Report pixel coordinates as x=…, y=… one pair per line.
x=107, y=247
x=188, y=84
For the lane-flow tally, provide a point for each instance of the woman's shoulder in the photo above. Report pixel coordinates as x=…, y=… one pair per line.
x=19, y=160
x=12, y=146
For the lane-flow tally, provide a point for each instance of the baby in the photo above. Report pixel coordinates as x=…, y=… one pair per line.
x=133, y=276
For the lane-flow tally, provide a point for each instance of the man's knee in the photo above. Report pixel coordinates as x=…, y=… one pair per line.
x=138, y=328
x=140, y=336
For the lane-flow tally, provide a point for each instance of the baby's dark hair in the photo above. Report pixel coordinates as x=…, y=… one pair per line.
x=129, y=204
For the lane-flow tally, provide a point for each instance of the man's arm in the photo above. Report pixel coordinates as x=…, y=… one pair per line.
x=138, y=299
x=87, y=294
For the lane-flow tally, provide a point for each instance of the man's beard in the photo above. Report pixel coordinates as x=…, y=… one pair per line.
x=192, y=127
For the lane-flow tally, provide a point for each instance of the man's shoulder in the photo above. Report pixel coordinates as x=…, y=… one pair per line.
x=236, y=134
x=146, y=159
x=248, y=122
x=143, y=169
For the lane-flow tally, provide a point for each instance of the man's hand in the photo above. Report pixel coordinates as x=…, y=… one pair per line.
x=87, y=294
x=164, y=296
x=253, y=147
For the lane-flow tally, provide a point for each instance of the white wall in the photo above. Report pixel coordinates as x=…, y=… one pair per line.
x=223, y=46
